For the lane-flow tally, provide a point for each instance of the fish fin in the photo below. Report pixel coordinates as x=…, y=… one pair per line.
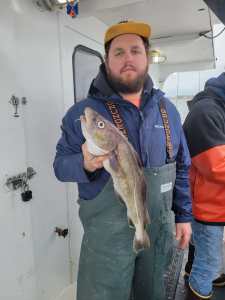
x=141, y=243
x=146, y=216
x=131, y=224
x=147, y=220
x=138, y=159
x=119, y=198
x=144, y=207
x=113, y=161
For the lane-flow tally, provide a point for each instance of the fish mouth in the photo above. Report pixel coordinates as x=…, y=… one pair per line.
x=83, y=119
x=87, y=114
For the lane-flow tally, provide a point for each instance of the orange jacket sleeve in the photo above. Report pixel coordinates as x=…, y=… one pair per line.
x=211, y=164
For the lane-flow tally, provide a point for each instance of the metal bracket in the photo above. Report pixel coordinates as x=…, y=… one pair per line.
x=15, y=101
x=16, y=182
x=61, y=232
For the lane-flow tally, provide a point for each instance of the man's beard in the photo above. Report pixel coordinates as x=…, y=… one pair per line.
x=128, y=87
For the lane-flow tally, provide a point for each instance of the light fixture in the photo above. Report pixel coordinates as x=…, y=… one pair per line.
x=157, y=57
x=51, y=4
x=64, y=2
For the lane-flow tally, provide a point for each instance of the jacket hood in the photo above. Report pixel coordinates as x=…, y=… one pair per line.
x=216, y=85
x=101, y=87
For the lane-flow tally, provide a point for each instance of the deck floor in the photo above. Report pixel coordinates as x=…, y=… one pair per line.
x=218, y=293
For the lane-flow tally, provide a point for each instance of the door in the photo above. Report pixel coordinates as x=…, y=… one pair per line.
x=34, y=259
x=80, y=62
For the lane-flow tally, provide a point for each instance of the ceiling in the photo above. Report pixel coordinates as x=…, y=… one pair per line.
x=176, y=25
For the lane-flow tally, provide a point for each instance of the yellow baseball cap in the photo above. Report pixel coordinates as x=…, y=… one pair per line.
x=124, y=27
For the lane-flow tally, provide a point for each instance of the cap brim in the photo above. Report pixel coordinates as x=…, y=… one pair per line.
x=141, y=29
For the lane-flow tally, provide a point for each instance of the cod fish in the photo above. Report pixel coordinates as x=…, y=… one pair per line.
x=102, y=137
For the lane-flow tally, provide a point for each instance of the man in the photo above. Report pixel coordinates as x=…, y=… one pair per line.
x=108, y=268
x=205, y=131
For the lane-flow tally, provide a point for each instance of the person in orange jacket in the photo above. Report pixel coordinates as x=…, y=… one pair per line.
x=204, y=128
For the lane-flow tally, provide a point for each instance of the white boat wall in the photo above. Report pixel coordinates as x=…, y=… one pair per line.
x=36, y=89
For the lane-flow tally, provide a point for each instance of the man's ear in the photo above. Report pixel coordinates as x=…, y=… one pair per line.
x=149, y=57
x=106, y=63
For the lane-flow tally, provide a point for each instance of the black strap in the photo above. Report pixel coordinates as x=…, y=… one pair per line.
x=165, y=119
x=117, y=120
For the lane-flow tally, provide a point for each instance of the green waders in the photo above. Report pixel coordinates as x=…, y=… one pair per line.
x=109, y=269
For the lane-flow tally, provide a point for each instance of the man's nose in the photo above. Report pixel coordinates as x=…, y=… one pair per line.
x=128, y=56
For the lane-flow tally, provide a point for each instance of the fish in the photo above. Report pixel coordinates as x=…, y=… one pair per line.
x=125, y=168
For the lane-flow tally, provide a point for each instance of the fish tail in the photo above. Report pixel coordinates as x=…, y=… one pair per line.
x=141, y=241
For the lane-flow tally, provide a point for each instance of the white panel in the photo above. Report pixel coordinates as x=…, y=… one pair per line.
x=90, y=28
x=16, y=255
x=37, y=266
x=166, y=69
x=188, y=83
x=171, y=84
x=38, y=54
x=87, y=6
x=154, y=73
x=176, y=87
x=181, y=105
x=166, y=17
x=69, y=39
x=175, y=25
x=188, y=51
x=219, y=43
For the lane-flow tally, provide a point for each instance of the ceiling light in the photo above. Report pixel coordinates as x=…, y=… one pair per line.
x=62, y=1
x=157, y=57
x=52, y=4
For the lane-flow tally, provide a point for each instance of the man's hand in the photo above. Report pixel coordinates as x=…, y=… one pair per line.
x=91, y=162
x=183, y=234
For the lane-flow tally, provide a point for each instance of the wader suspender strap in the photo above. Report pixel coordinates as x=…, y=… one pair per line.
x=117, y=120
x=169, y=145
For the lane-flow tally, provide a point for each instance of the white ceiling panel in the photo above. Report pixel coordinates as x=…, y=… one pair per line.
x=87, y=6
x=165, y=16
x=176, y=24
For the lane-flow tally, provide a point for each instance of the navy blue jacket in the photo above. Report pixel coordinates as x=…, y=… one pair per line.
x=145, y=132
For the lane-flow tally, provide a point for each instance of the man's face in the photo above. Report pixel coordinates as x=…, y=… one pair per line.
x=127, y=63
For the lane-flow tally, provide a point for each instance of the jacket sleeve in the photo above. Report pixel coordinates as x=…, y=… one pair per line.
x=211, y=164
x=68, y=163
x=206, y=136
x=182, y=206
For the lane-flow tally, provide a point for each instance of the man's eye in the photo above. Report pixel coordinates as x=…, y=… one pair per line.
x=101, y=124
x=136, y=51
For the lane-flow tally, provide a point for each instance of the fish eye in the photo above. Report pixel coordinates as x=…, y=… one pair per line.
x=101, y=124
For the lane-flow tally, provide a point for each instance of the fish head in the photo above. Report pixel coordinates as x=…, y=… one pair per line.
x=100, y=134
